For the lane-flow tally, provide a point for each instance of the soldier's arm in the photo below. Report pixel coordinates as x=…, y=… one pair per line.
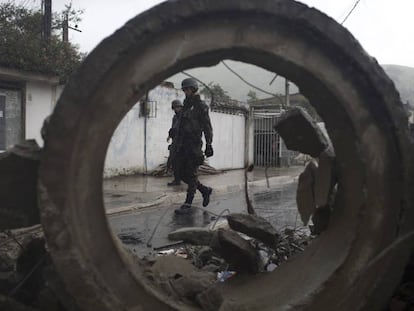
x=206, y=125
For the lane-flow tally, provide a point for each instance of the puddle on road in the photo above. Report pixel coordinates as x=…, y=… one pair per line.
x=142, y=232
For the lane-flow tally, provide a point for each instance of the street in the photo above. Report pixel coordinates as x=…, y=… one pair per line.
x=143, y=230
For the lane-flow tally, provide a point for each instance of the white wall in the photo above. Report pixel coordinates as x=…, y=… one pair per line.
x=157, y=128
x=228, y=140
x=125, y=153
x=40, y=100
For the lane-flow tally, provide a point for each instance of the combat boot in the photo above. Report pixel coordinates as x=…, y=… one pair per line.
x=206, y=193
x=174, y=183
x=186, y=208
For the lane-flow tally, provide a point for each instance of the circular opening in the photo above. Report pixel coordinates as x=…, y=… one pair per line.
x=285, y=37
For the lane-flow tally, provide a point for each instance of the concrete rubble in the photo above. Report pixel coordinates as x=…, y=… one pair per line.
x=238, y=252
x=249, y=246
x=255, y=227
x=300, y=133
x=18, y=186
x=325, y=177
x=28, y=279
x=193, y=271
x=317, y=183
x=192, y=235
x=305, y=193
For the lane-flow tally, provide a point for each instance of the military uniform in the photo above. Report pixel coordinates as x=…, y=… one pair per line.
x=171, y=163
x=193, y=121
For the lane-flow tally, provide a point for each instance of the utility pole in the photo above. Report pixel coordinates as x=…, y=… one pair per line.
x=47, y=19
x=65, y=29
x=287, y=93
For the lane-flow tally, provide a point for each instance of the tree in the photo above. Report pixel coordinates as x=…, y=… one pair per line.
x=215, y=92
x=22, y=45
x=252, y=96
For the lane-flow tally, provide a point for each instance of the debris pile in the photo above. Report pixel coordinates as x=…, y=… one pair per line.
x=248, y=245
x=204, y=169
x=317, y=187
x=28, y=280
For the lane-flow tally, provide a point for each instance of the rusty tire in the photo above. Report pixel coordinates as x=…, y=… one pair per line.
x=353, y=266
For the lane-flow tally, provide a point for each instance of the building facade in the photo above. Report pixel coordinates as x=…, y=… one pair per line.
x=25, y=100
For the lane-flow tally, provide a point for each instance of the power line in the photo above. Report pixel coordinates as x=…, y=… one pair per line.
x=250, y=84
x=350, y=12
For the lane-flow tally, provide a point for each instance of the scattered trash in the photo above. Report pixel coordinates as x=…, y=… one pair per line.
x=271, y=267
x=225, y=275
x=130, y=238
x=179, y=252
x=205, y=169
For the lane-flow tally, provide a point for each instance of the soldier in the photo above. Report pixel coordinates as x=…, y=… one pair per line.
x=177, y=106
x=193, y=121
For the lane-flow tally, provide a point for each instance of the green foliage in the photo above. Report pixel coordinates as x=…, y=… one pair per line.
x=22, y=45
x=72, y=15
x=252, y=96
x=215, y=92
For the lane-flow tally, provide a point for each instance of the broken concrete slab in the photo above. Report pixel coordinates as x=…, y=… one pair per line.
x=301, y=133
x=170, y=266
x=165, y=269
x=239, y=253
x=325, y=177
x=305, y=197
x=203, y=256
x=210, y=299
x=192, y=285
x=192, y=235
x=18, y=186
x=255, y=227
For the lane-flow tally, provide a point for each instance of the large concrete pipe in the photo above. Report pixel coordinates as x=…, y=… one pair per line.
x=354, y=265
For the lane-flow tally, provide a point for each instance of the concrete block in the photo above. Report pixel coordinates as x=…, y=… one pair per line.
x=192, y=235
x=325, y=177
x=301, y=133
x=239, y=253
x=305, y=197
x=255, y=227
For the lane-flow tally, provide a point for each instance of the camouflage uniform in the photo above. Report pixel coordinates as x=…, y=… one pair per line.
x=172, y=133
x=193, y=121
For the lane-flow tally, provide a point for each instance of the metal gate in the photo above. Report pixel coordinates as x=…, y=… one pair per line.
x=267, y=144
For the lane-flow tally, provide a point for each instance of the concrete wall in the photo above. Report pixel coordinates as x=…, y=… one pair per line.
x=41, y=97
x=228, y=141
x=126, y=154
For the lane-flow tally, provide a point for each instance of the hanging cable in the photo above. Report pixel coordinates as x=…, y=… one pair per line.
x=252, y=85
x=350, y=12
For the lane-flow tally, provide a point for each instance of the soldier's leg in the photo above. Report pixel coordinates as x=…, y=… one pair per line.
x=176, y=167
x=189, y=176
x=205, y=192
x=176, y=173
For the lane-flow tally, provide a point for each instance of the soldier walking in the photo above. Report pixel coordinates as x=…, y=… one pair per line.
x=177, y=106
x=193, y=121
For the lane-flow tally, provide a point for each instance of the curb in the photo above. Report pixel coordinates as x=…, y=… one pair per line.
x=171, y=198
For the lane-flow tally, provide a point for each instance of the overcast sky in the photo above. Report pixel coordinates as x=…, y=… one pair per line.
x=384, y=28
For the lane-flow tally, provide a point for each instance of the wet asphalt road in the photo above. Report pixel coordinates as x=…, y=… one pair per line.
x=147, y=229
